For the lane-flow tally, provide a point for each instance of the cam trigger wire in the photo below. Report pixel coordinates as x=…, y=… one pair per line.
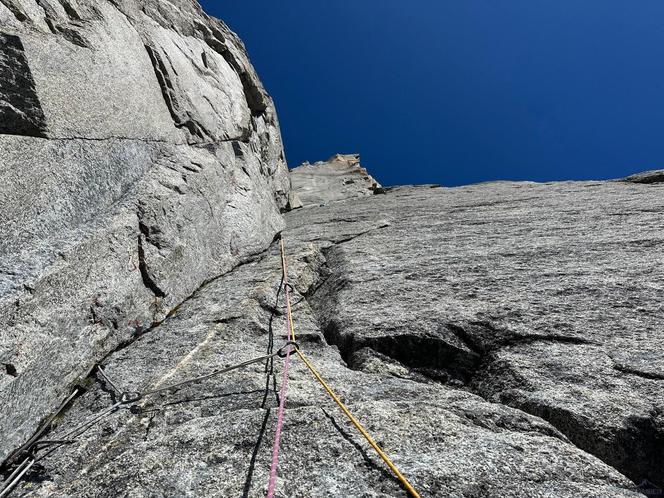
x=34, y=445
x=216, y=372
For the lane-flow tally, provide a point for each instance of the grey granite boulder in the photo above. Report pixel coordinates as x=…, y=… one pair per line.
x=140, y=157
x=340, y=177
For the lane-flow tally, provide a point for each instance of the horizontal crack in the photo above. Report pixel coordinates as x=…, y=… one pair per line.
x=202, y=144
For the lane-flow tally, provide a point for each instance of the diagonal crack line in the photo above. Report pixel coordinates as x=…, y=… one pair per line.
x=352, y=237
x=626, y=369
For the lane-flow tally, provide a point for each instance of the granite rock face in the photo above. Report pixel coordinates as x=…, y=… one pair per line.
x=498, y=340
x=340, y=177
x=140, y=156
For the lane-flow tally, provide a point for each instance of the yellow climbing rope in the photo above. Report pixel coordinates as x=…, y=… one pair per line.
x=336, y=399
x=284, y=266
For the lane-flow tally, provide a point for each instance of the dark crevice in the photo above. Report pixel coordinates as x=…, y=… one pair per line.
x=70, y=11
x=634, y=449
x=237, y=150
x=223, y=321
x=15, y=10
x=439, y=358
x=345, y=239
x=465, y=354
x=10, y=370
x=21, y=111
x=148, y=281
x=152, y=234
x=149, y=425
x=72, y=36
x=485, y=338
x=51, y=26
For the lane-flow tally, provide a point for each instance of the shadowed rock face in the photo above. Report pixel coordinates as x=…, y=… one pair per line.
x=20, y=110
x=654, y=176
x=140, y=157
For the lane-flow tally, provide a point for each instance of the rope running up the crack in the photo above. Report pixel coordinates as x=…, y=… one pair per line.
x=404, y=481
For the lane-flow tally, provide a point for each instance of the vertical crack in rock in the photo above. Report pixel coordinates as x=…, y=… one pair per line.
x=180, y=118
x=70, y=10
x=21, y=112
x=148, y=280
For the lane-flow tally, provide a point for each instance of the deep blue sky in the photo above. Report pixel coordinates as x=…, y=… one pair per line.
x=461, y=91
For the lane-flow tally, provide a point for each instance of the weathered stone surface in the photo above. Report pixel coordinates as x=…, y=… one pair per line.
x=653, y=176
x=340, y=177
x=139, y=157
x=547, y=298
x=294, y=201
x=496, y=339
x=502, y=339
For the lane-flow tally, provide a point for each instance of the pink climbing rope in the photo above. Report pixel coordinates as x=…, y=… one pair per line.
x=284, y=384
x=280, y=424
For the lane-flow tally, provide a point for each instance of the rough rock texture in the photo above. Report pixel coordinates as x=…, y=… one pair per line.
x=139, y=157
x=340, y=177
x=653, y=176
x=498, y=340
